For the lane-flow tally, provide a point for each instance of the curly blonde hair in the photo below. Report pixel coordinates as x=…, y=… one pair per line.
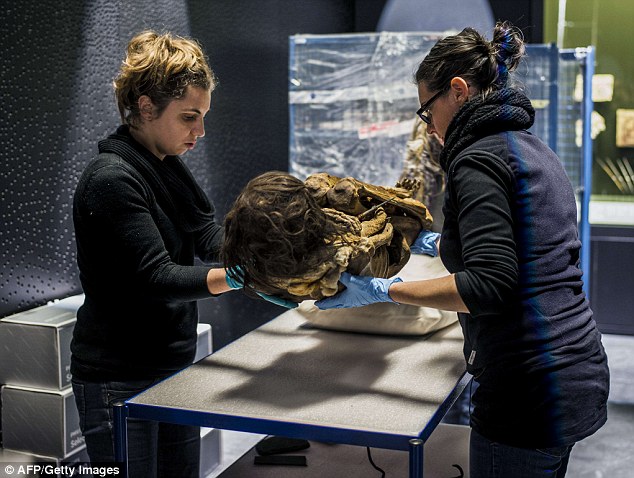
x=160, y=66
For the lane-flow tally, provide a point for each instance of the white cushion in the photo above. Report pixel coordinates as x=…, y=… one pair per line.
x=387, y=318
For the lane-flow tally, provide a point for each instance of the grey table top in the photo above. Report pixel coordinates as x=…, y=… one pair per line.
x=290, y=373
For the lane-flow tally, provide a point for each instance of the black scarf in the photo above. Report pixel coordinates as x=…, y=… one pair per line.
x=502, y=110
x=176, y=190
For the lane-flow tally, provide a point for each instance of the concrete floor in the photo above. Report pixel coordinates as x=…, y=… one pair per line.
x=607, y=454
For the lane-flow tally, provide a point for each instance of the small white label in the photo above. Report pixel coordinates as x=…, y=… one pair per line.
x=472, y=357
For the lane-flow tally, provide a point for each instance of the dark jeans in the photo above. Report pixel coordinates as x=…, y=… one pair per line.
x=154, y=449
x=489, y=459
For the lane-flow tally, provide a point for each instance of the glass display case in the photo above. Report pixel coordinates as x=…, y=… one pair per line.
x=612, y=93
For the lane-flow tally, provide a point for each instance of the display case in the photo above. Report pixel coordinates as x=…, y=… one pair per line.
x=612, y=129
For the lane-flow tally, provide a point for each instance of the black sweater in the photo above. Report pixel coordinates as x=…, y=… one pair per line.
x=510, y=236
x=137, y=271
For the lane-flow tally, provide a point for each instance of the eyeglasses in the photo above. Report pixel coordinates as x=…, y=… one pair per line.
x=424, y=108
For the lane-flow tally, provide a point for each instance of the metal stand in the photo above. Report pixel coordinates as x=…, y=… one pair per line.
x=416, y=458
x=120, y=419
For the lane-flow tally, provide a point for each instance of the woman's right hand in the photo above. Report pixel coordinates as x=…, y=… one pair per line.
x=234, y=276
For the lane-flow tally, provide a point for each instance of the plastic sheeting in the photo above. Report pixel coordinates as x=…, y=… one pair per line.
x=353, y=101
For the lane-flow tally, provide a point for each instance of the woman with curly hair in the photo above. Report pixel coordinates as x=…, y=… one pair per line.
x=509, y=241
x=140, y=220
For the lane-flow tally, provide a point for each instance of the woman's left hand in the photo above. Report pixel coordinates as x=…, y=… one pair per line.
x=359, y=291
x=426, y=243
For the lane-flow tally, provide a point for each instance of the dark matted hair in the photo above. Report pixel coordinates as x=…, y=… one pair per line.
x=276, y=229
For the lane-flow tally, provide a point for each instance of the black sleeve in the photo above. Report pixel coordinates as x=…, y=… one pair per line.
x=116, y=210
x=483, y=185
x=209, y=242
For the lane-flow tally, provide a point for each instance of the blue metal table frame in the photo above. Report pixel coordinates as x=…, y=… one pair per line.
x=288, y=379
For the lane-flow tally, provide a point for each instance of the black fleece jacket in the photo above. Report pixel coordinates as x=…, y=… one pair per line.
x=510, y=236
x=137, y=270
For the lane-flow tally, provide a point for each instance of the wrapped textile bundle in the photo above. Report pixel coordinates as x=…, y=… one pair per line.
x=293, y=238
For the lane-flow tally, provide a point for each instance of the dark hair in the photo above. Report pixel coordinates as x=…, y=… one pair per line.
x=160, y=66
x=483, y=64
x=276, y=229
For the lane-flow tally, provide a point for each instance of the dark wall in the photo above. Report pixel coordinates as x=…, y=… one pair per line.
x=57, y=66
x=56, y=69
x=49, y=113
x=525, y=14
x=58, y=62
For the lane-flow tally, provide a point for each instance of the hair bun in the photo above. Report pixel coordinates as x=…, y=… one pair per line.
x=508, y=45
x=484, y=64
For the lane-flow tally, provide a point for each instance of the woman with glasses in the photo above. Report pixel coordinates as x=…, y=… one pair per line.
x=510, y=243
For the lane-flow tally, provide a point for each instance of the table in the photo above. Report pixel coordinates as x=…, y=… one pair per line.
x=290, y=379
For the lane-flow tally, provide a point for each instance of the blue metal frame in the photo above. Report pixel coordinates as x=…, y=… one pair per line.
x=586, y=57
x=415, y=445
x=554, y=96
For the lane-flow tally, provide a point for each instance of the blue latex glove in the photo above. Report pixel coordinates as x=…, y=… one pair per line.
x=360, y=290
x=235, y=280
x=234, y=276
x=289, y=304
x=426, y=243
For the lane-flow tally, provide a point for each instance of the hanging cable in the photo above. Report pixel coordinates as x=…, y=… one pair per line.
x=374, y=464
x=461, y=475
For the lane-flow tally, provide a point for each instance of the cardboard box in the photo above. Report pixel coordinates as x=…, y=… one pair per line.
x=203, y=347
x=209, y=451
x=41, y=422
x=35, y=348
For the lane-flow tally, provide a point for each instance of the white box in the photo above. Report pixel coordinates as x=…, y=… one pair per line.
x=72, y=303
x=18, y=458
x=35, y=348
x=209, y=451
x=20, y=462
x=203, y=346
x=41, y=422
